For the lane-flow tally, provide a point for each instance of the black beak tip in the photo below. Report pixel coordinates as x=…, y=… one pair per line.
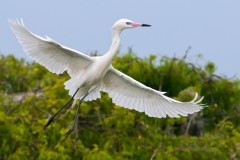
x=146, y=25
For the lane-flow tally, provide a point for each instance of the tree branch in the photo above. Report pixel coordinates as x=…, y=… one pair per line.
x=155, y=151
x=185, y=56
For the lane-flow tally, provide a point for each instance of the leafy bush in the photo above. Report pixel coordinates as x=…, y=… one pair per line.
x=30, y=95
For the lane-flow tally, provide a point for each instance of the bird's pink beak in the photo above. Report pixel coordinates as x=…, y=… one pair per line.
x=134, y=24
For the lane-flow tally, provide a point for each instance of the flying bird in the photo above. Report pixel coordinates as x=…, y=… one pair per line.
x=90, y=75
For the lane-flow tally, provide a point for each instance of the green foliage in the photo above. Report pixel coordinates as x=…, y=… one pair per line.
x=30, y=95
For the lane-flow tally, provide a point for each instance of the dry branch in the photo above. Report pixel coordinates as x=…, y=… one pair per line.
x=155, y=151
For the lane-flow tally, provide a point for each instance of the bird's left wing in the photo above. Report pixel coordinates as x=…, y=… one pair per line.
x=129, y=93
x=55, y=57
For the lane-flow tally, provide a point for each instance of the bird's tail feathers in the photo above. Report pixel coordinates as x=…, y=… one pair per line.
x=72, y=86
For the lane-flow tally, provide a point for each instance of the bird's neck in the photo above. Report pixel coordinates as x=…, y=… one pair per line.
x=114, y=47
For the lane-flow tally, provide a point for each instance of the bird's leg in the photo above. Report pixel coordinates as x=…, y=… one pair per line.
x=76, y=116
x=51, y=119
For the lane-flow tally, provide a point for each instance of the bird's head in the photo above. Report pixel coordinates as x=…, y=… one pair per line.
x=125, y=23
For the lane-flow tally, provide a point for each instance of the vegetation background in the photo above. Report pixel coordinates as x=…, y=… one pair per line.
x=30, y=94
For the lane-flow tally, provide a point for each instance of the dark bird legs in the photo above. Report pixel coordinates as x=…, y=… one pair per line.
x=76, y=116
x=52, y=118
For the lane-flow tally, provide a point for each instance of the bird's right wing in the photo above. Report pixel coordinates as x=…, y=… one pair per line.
x=129, y=93
x=55, y=57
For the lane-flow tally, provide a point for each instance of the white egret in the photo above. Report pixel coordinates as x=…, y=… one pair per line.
x=90, y=75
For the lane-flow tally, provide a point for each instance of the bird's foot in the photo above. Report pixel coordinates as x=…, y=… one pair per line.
x=48, y=123
x=70, y=131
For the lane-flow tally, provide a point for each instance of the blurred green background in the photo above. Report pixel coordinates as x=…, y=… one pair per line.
x=29, y=95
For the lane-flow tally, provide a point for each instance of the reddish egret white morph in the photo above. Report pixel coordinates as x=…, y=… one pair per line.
x=90, y=75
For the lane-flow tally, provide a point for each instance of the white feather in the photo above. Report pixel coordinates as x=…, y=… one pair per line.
x=154, y=103
x=93, y=75
x=55, y=57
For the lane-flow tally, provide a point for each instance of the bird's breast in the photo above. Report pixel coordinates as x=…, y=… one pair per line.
x=96, y=72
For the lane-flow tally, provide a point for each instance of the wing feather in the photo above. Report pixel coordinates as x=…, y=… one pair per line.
x=55, y=57
x=129, y=93
x=158, y=111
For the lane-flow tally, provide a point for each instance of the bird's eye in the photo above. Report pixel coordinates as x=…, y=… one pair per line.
x=128, y=23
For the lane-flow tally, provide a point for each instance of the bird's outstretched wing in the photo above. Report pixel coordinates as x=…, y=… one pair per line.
x=55, y=57
x=129, y=93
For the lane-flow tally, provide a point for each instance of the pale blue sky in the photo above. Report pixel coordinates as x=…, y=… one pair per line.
x=212, y=28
